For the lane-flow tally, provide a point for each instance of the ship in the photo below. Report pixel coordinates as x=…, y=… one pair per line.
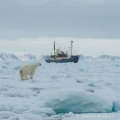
x=60, y=56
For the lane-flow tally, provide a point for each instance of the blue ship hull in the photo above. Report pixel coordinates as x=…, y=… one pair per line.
x=71, y=59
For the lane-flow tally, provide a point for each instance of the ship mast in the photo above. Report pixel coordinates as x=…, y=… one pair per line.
x=54, y=50
x=71, y=48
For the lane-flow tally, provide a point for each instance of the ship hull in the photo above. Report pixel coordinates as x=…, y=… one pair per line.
x=71, y=59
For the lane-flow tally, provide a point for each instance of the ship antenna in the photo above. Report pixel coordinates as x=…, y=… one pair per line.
x=54, y=50
x=71, y=48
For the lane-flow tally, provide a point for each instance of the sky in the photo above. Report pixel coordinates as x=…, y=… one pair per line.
x=93, y=25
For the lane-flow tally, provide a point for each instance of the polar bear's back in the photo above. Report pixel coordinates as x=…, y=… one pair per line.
x=25, y=70
x=25, y=67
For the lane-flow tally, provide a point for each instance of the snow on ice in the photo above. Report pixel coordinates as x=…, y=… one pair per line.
x=60, y=91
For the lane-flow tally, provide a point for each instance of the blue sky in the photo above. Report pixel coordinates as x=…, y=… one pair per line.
x=61, y=20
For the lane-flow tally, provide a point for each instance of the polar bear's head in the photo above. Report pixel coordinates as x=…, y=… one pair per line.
x=36, y=65
x=39, y=64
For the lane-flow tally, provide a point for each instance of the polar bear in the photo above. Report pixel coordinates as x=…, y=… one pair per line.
x=28, y=70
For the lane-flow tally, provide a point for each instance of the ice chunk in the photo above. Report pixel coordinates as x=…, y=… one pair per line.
x=77, y=101
x=81, y=70
x=91, y=84
x=6, y=107
x=19, y=109
x=13, y=118
x=29, y=116
x=47, y=111
x=17, y=67
x=6, y=114
x=116, y=106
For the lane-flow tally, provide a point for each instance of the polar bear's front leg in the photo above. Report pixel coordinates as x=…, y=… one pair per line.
x=31, y=75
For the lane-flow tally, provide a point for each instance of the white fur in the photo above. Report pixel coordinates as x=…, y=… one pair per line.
x=28, y=70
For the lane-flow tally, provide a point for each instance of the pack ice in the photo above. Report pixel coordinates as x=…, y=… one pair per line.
x=60, y=91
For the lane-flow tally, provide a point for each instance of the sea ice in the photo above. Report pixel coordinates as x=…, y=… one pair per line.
x=68, y=88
